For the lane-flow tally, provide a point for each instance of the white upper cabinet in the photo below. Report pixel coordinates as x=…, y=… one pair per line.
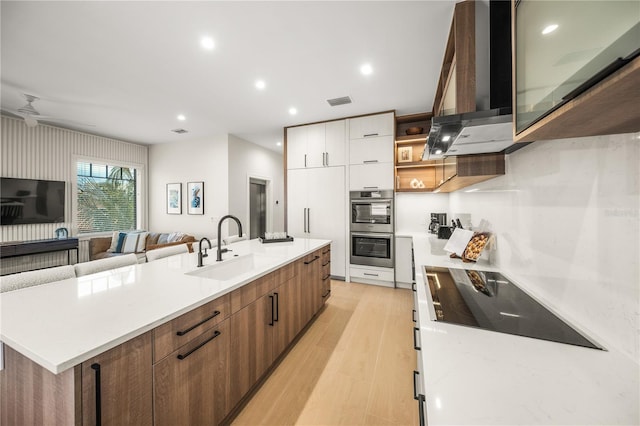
x=316, y=145
x=371, y=176
x=336, y=143
x=371, y=126
x=377, y=149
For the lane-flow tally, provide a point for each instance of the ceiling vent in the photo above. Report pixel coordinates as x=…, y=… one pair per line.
x=339, y=101
x=180, y=131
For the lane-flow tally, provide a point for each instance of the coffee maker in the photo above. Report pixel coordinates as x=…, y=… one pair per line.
x=437, y=220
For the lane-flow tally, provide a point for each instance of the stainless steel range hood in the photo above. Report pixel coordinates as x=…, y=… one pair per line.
x=489, y=129
x=478, y=132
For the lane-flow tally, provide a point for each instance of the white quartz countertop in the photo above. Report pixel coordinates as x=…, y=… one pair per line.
x=62, y=324
x=479, y=377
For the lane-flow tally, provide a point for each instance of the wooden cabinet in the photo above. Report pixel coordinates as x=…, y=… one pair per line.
x=117, y=385
x=575, y=81
x=371, y=126
x=251, y=345
x=326, y=273
x=316, y=209
x=316, y=145
x=191, y=385
x=456, y=90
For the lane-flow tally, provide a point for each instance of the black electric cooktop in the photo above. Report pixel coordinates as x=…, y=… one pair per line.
x=490, y=301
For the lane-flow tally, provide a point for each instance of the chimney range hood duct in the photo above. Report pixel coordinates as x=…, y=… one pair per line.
x=491, y=129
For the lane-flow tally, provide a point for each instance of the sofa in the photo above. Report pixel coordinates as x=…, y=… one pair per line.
x=101, y=247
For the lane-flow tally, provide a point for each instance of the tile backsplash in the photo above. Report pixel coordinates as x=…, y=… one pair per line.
x=566, y=216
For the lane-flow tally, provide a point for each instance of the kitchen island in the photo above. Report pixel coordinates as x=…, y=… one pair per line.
x=473, y=376
x=152, y=343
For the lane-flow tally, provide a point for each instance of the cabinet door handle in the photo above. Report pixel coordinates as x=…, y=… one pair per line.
x=313, y=260
x=370, y=161
x=370, y=134
x=413, y=315
x=415, y=339
x=273, y=309
x=181, y=356
x=183, y=332
x=309, y=220
x=96, y=367
x=421, y=400
x=305, y=160
x=277, y=297
x=327, y=158
x=370, y=187
x=413, y=286
x=371, y=275
x=415, y=384
x=304, y=218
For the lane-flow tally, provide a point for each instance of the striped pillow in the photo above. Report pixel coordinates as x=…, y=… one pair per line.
x=132, y=242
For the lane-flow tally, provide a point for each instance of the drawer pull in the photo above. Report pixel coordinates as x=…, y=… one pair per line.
x=370, y=161
x=371, y=275
x=183, y=332
x=370, y=134
x=311, y=261
x=96, y=367
x=216, y=334
x=326, y=294
x=421, y=400
x=413, y=315
x=415, y=385
x=326, y=278
x=325, y=264
x=415, y=339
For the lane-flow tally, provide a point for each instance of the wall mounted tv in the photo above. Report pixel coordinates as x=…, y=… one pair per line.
x=26, y=201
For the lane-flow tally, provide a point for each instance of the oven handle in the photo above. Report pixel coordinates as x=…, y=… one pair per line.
x=371, y=235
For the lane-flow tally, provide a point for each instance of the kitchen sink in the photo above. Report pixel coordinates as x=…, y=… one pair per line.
x=235, y=266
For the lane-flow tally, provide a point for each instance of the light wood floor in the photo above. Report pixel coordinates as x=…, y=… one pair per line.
x=353, y=366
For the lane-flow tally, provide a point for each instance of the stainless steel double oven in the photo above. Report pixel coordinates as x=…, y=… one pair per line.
x=372, y=228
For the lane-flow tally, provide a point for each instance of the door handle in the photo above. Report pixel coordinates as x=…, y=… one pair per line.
x=309, y=220
x=277, y=297
x=305, y=160
x=304, y=218
x=327, y=158
x=273, y=308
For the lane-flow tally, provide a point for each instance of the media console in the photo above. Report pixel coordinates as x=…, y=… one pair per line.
x=26, y=248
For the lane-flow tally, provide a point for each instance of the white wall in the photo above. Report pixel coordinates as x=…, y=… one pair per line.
x=566, y=216
x=183, y=162
x=250, y=160
x=413, y=211
x=48, y=152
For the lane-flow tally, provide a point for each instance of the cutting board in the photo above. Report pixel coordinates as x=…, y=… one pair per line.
x=458, y=241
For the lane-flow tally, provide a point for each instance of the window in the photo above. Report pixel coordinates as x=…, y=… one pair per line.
x=107, y=197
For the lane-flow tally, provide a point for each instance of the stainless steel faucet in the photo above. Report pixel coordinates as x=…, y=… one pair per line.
x=220, y=249
x=200, y=254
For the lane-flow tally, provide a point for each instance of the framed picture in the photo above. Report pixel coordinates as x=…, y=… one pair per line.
x=405, y=154
x=174, y=198
x=195, y=194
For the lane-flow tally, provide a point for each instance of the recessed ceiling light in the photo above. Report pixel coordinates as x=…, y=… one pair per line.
x=366, y=69
x=293, y=111
x=181, y=117
x=278, y=143
x=549, y=29
x=438, y=151
x=207, y=43
x=260, y=84
x=446, y=138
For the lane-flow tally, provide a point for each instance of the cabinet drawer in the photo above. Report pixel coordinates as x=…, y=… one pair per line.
x=248, y=293
x=379, y=274
x=377, y=149
x=170, y=336
x=371, y=176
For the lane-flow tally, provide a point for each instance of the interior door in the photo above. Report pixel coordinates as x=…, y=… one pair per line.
x=257, y=208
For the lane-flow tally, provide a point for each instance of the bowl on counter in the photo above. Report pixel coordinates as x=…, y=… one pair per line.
x=414, y=130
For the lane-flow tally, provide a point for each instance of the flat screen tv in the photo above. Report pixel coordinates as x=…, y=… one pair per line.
x=26, y=201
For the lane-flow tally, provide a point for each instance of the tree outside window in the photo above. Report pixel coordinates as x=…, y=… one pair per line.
x=106, y=197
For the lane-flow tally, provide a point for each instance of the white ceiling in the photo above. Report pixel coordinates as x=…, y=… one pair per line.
x=129, y=68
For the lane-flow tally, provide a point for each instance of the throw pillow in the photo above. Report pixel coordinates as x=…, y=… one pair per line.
x=142, y=241
x=175, y=237
x=114, y=242
x=121, y=237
